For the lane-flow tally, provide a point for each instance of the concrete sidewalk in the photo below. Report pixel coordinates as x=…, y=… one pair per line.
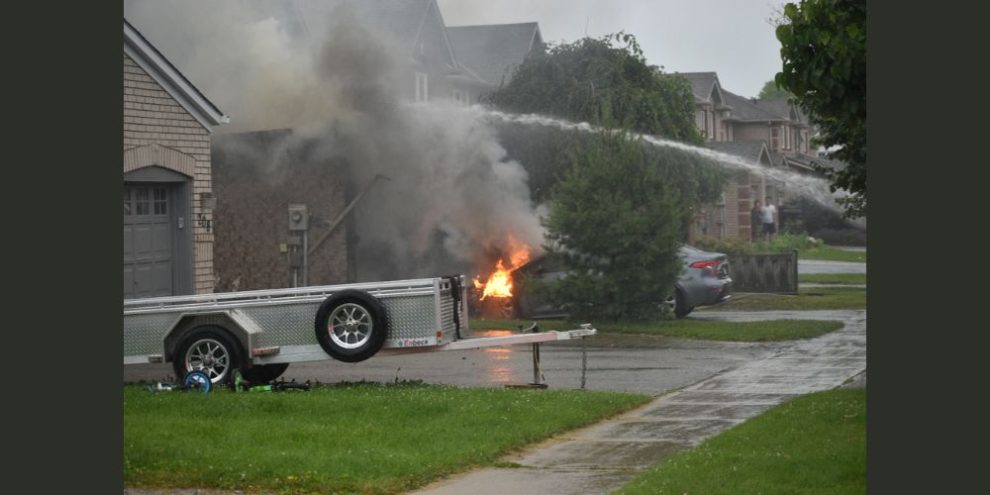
x=605, y=456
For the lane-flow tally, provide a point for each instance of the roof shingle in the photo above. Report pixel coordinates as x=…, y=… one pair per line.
x=493, y=51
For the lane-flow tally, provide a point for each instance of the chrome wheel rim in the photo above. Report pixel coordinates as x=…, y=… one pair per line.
x=350, y=326
x=209, y=356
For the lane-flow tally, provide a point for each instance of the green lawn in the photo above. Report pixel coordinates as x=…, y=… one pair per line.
x=815, y=444
x=830, y=253
x=832, y=278
x=358, y=438
x=809, y=298
x=691, y=329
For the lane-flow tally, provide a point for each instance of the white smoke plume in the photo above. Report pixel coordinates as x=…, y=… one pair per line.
x=453, y=200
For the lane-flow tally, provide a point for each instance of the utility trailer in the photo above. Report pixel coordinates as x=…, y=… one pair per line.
x=261, y=332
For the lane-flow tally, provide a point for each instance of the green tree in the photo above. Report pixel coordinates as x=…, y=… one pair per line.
x=823, y=49
x=770, y=90
x=615, y=221
x=605, y=81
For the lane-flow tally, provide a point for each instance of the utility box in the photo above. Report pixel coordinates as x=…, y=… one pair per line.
x=298, y=218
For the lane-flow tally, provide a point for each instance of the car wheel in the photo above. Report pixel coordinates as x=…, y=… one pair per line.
x=680, y=305
x=351, y=326
x=208, y=349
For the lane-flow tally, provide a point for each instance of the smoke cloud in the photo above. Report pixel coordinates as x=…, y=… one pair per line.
x=445, y=198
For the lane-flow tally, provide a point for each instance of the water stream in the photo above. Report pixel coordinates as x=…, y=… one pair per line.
x=813, y=188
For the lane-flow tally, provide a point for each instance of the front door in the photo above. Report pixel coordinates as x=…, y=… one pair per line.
x=148, y=240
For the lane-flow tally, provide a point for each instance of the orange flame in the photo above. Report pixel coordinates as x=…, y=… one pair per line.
x=499, y=283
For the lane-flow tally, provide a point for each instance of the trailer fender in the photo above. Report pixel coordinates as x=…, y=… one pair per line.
x=188, y=323
x=351, y=325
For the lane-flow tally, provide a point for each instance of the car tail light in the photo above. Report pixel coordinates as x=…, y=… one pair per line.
x=710, y=265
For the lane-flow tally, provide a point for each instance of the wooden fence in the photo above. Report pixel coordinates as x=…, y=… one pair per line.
x=764, y=272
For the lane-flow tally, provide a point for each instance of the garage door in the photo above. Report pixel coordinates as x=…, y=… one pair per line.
x=148, y=242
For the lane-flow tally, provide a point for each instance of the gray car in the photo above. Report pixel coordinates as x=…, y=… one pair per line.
x=704, y=281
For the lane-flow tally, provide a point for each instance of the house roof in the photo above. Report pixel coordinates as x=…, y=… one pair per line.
x=806, y=163
x=171, y=79
x=782, y=108
x=752, y=150
x=745, y=110
x=493, y=51
x=402, y=20
x=703, y=84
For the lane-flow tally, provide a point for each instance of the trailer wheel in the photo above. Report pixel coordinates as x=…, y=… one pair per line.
x=208, y=349
x=351, y=326
x=264, y=373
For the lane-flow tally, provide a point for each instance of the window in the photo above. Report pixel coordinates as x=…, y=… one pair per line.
x=775, y=138
x=145, y=201
x=422, y=88
x=160, y=201
x=460, y=97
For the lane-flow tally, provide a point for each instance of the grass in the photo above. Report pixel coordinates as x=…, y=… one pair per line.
x=815, y=444
x=781, y=244
x=830, y=253
x=753, y=331
x=810, y=298
x=358, y=438
x=832, y=278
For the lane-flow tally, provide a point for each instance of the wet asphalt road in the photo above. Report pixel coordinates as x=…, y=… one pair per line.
x=823, y=266
x=649, y=365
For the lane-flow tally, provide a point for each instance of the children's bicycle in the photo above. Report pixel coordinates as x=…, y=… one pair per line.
x=194, y=381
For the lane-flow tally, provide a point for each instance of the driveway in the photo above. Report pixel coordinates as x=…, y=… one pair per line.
x=626, y=363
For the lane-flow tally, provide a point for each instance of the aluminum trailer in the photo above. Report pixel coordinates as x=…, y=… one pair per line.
x=260, y=332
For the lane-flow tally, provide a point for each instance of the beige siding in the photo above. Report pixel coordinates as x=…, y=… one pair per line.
x=152, y=116
x=756, y=131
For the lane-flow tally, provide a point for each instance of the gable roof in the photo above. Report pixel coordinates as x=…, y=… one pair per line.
x=783, y=108
x=493, y=51
x=745, y=110
x=753, y=150
x=143, y=53
x=703, y=84
x=402, y=20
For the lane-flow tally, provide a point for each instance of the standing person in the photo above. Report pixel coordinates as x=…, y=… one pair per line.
x=755, y=221
x=769, y=217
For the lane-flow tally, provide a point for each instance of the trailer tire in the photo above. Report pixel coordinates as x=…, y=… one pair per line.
x=209, y=349
x=263, y=373
x=351, y=326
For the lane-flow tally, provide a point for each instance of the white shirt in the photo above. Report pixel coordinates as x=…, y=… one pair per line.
x=768, y=212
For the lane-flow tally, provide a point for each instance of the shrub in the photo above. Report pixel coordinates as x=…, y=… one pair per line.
x=616, y=222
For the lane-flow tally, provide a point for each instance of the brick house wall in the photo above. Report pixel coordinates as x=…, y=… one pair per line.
x=152, y=117
x=744, y=205
x=253, y=198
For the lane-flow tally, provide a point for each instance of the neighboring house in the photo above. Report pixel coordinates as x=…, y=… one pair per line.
x=489, y=54
x=710, y=107
x=168, y=195
x=772, y=132
x=413, y=27
x=731, y=218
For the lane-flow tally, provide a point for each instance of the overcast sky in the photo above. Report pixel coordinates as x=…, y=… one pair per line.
x=731, y=37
